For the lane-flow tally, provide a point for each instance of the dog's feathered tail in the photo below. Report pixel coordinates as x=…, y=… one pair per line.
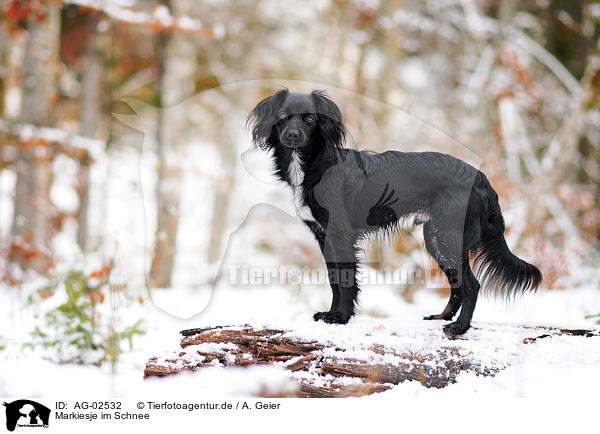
x=496, y=267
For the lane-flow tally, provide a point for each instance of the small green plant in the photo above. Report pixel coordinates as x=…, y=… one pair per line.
x=594, y=316
x=85, y=326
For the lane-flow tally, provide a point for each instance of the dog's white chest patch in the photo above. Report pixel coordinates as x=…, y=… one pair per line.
x=296, y=176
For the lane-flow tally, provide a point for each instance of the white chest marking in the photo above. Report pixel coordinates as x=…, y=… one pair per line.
x=296, y=177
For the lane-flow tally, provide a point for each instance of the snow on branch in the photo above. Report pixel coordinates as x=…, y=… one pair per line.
x=481, y=25
x=159, y=19
x=71, y=144
x=545, y=58
x=564, y=145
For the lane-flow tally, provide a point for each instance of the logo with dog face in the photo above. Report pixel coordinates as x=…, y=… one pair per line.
x=26, y=413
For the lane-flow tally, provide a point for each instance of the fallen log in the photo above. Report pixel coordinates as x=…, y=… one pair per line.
x=331, y=366
x=320, y=363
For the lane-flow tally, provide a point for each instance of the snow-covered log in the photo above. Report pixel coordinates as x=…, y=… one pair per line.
x=337, y=369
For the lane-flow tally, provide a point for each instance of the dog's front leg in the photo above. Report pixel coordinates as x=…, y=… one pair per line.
x=342, y=280
x=332, y=272
x=334, y=282
x=344, y=285
x=335, y=286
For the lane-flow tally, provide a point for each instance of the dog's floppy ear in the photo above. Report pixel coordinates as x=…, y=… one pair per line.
x=330, y=121
x=264, y=116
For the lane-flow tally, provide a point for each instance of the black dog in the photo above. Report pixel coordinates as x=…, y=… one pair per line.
x=343, y=195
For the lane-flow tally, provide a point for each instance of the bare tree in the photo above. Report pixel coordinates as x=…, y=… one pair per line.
x=90, y=107
x=228, y=155
x=33, y=209
x=176, y=83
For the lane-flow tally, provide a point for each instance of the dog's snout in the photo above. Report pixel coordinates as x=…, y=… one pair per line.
x=293, y=134
x=293, y=137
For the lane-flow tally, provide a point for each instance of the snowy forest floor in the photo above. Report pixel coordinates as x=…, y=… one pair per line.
x=555, y=366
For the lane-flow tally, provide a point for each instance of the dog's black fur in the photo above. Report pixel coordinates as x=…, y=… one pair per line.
x=344, y=195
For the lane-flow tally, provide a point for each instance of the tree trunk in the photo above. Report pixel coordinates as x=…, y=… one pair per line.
x=567, y=42
x=177, y=83
x=90, y=106
x=228, y=154
x=14, y=52
x=32, y=229
x=3, y=74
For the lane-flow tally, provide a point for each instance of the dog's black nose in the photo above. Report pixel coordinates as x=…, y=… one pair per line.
x=293, y=135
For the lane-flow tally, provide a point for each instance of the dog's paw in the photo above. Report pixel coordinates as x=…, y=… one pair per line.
x=319, y=316
x=435, y=317
x=332, y=317
x=455, y=329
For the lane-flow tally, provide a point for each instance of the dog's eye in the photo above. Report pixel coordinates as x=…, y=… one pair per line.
x=309, y=118
x=282, y=115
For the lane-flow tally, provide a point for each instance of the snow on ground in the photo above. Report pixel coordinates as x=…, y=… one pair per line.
x=549, y=367
x=557, y=365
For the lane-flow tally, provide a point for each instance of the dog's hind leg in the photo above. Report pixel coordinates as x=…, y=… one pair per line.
x=469, y=288
x=449, y=247
x=442, y=254
x=469, y=291
x=454, y=302
x=451, y=308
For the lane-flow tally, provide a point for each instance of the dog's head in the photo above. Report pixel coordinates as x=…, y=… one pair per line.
x=297, y=120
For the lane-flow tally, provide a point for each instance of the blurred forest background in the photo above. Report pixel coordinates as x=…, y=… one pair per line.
x=517, y=82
